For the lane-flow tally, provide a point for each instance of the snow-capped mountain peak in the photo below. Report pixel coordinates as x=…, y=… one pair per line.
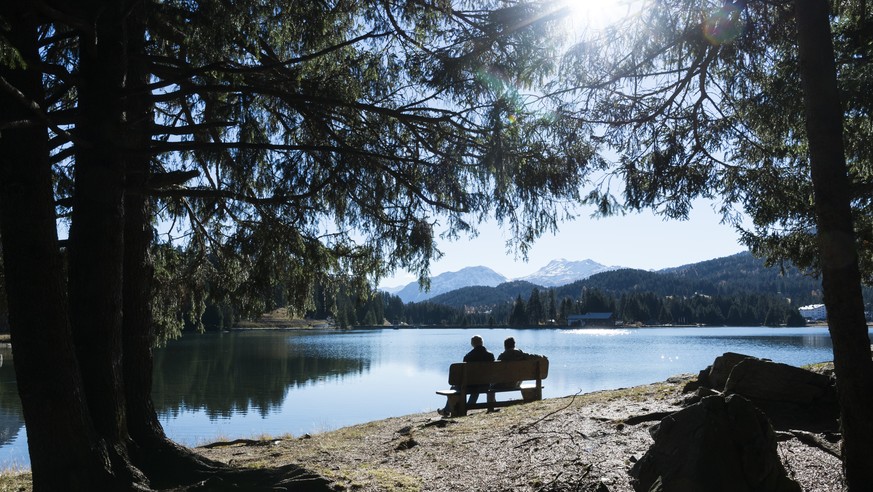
x=556, y=273
x=563, y=272
x=449, y=281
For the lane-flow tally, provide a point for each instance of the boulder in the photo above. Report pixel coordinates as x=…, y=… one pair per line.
x=716, y=376
x=698, y=395
x=766, y=380
x=793, y=398
x=721, y=444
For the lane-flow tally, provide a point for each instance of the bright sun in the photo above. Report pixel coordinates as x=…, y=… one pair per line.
x=588, y=15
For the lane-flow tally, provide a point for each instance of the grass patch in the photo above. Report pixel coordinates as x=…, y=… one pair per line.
x=372, y=478
x=820, y=367
x=15, y=481
x=390, y=479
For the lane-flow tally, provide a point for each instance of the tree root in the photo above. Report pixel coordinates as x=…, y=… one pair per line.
x=247, y=442
x=648, y=417
x=174, y=468
x=288, y=477
x=816, y=441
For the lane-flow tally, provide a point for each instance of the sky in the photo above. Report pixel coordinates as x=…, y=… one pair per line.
x=642, y=240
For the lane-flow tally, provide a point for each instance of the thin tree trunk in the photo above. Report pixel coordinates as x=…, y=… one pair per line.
x=165, y=462
x=138, y=331
x=841, y=280
x=97, y=230
x=64, y=451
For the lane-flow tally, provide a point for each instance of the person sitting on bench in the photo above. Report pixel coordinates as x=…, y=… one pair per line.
x=478, y=354
x=512, y=353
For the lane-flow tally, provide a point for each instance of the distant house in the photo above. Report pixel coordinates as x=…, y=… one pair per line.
x=814, y=312
x=591, y=320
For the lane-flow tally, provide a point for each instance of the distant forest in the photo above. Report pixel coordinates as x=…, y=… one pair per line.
x=733, y=291
x=738, y=290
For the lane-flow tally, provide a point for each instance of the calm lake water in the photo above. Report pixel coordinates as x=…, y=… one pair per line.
x=244, y=384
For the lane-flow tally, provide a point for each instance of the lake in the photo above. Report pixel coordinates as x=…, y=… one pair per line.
x=251, y=383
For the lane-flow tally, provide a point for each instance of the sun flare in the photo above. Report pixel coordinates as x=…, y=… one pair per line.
x=595, y=15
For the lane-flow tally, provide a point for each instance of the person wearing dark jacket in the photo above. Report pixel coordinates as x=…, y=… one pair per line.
x=478, y=354
x=511, y=353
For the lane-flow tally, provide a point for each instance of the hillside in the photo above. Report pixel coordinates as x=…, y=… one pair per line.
x=736, y=274
x=485, y=296
x=740, y=273
x=555, y=273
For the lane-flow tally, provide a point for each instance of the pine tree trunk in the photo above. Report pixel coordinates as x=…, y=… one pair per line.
x=97, y=230
x=138, y=332
x=165, y=462
x=841, y=280
x=64, y=451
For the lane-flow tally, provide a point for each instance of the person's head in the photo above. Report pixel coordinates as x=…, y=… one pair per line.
x=509, y=343
x=476, y=341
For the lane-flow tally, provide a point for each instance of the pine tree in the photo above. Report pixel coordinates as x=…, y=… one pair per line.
x=296, y=145
x=519, y=315
x=751, y=114
x=535, y=311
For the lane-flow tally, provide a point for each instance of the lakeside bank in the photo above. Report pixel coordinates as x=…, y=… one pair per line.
x=584, y=442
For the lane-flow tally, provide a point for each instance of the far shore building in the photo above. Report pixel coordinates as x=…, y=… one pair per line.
x=591, y=320
x=814, y=312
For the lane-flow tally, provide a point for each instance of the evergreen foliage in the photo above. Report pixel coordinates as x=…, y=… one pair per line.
x=755, y=104
x=519, y=315
x=205, y=154
x=313, y=145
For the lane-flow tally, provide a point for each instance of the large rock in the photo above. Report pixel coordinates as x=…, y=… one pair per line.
x=716, y=375
x=793, y=398
x=764, y=380
x=717, y=445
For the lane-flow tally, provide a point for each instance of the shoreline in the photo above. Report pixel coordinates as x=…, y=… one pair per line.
x=6, y=339
x=278, y=319
x=574, y=442
x=327, y=324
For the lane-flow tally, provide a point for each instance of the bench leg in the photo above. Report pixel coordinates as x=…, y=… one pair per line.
x=456, y=406
x=532, y=394
x=491, y=401
x=460, y=408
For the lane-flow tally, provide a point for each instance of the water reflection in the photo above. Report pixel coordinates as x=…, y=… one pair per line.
x=599, y=332
x=11, y=418
x=820, y=342
x=11, y=423
x=228, y=374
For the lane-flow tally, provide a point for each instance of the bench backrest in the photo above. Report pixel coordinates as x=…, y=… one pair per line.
x=498, y=372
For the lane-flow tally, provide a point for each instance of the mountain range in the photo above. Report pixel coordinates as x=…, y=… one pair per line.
x=556, y=273
x=563, y=272
x=737, y=275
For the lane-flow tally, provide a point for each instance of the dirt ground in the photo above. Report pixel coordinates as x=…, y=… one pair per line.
x=584, y=443
x=578, y=443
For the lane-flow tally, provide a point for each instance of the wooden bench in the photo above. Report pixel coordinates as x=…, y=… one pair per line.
x=498, y=377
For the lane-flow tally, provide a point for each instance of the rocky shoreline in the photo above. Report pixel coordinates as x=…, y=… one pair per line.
x=585, y=442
